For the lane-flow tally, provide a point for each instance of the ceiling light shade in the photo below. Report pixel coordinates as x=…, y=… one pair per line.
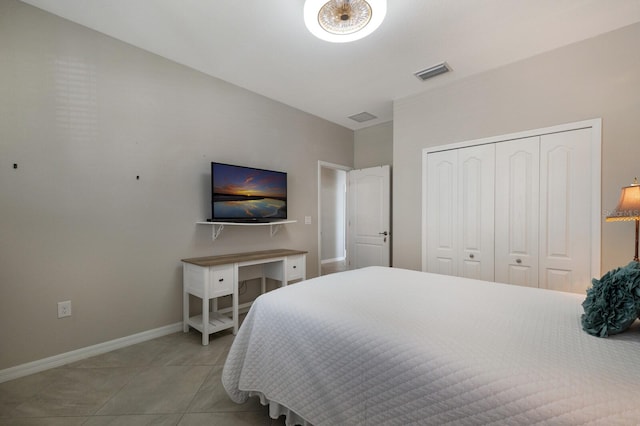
x=341, y=21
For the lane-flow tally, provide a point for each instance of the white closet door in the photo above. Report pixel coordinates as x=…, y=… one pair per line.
x=529, y=215
x=565, y=210
x=476, y=173
x=442, y=181
x=516, y=214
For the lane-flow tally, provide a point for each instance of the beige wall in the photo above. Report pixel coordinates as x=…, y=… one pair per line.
x=599, y=77
x=82, y=115
x=373, y=146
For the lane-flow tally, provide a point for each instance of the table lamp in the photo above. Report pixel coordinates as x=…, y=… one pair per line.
x=628, y=208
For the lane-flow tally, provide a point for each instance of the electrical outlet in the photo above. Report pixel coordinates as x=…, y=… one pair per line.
x=64, y=309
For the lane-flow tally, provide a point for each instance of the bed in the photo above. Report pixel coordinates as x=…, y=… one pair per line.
x=388, y=346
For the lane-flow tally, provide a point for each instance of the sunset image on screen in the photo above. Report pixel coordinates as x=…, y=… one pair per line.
x=240, y=192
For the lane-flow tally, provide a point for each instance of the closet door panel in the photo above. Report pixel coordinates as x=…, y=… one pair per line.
x=476, y=173
x=442, y=181
x=516, y=213
x=565, y=210
x=557, y=279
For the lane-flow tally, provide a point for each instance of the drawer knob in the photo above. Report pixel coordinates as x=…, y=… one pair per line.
x=220, y=280
x=471, y=256
x=518, y=260
x=294, y=266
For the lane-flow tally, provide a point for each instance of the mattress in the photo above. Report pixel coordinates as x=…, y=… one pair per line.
x=387, y=346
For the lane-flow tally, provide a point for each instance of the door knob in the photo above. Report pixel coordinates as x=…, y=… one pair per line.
x=385, y=233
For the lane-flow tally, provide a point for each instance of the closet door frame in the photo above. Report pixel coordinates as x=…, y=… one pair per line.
x=595, y=126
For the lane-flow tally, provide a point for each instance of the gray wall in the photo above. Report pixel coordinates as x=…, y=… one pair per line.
x=599, y=77
x=373, y=146
x=82, y=115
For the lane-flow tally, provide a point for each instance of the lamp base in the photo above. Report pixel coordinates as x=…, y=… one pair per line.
x=637, y=227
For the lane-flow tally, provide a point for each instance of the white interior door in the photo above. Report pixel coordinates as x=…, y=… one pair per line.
x=369, y=231
x=441, y=208
x=517, y=211
x=460, y=191
x=565, y=210
x=546, y=207
x=476, y=173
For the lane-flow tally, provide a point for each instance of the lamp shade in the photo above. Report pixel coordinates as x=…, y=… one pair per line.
x=628, y=207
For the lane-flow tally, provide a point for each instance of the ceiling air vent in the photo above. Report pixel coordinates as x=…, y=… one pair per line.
x=362, y=117
x=433, y=71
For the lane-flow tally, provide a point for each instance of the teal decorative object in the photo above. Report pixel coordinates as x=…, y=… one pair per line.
x=613, y=301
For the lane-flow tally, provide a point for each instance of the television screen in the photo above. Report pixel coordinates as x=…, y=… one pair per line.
x=246, y=194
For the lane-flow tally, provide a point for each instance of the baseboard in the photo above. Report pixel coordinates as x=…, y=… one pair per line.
x=82, y=353
x=335, y=259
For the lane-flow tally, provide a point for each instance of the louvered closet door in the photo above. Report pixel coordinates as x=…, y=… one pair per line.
x=441, y=208
x=565, y=206
x=476, y=173
x=517, y=211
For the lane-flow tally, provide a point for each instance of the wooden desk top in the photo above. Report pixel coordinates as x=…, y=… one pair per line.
x=241, y=257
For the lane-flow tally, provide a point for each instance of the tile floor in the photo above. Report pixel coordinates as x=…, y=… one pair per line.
x=171, y=380
x=332, y=267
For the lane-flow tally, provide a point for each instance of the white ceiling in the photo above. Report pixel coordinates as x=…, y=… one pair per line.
x=264, y=46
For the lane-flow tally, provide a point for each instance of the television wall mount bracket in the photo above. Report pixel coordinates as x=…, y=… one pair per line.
x=218, y=227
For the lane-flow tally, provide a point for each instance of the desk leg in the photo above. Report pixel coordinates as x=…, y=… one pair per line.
x=205, y=320
x=185, y=310
x=285, y=279
x=234, y=301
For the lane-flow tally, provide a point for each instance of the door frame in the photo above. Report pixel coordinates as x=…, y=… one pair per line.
x=333, y=166
x=596, y=178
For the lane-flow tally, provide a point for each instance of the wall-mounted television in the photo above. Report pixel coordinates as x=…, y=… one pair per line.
x=247, y=194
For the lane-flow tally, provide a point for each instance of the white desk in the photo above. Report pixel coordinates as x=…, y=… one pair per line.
x=211, y=277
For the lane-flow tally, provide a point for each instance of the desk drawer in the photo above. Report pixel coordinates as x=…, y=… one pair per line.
x=220, y=280
x=296, y=267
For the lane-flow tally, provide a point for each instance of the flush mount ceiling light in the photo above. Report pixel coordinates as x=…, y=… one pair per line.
x=341, y=21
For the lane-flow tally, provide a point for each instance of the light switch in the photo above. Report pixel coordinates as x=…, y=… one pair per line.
x=307, y=220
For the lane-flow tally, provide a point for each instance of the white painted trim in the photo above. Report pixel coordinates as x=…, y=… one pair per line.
x=594, y=124
x=596, y=198
x=82, y=353
x=423, y=242
x=335, y=259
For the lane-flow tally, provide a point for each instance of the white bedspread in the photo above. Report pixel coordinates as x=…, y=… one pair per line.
x=386, y=346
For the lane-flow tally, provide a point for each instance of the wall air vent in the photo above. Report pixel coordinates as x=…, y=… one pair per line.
x=433, y=71
x=362, y=117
